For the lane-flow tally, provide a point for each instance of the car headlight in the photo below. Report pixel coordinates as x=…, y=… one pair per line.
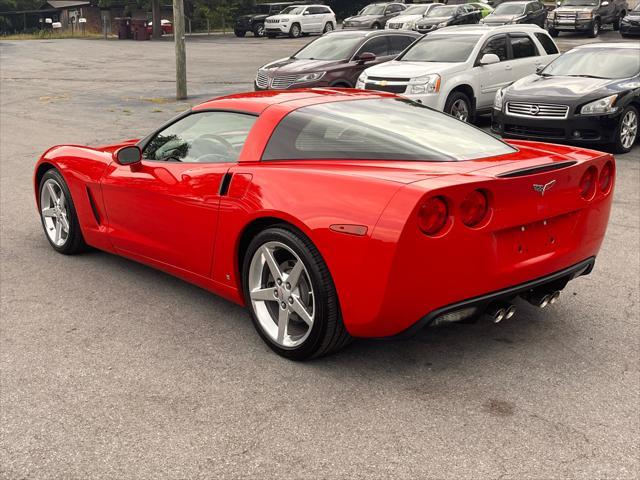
x=585, y=15
x=425, y=84
x=497, y=100
x=310, y=77
x=362, y=79
x=603, y=105
x=284, y=20
x=442, y=24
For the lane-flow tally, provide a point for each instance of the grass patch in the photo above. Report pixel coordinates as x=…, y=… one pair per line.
x=46, y=35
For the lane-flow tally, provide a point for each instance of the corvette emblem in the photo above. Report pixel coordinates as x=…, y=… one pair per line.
x=534, y=109
x=543, y=188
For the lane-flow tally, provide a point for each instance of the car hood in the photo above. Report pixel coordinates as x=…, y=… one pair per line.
x=292, y=65
x=363, y=18
x=577, y=8
x=499, y=18
x=558, y=87
x=401, y=69
x=253, y=16
x=280, y=17
x=405, y=18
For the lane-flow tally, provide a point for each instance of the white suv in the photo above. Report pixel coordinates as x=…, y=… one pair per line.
x=459, y=69
x=300, y=20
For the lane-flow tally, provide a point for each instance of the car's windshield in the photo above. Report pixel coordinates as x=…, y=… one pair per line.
x=637, y=9
x=579, y=3
x=293, y=10
x=442, y=11
x=441, y=48
x=332, y=47
x=596, y=62
x=507, y=9
x=416, y=10
x=372, y=10
x=378, y=129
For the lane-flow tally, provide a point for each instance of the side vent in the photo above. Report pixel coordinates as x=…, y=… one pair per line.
x=549, y=167
x=94, y=209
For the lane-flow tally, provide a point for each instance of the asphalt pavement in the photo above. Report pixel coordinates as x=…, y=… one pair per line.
x=109, y=369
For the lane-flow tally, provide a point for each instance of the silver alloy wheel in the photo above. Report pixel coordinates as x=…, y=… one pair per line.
x=295, y=31
x=460, y=110
x=281, y=294
x=629, y=129
x=54, y=211
x=259, y=31
x=328, y=27
x=596, y=28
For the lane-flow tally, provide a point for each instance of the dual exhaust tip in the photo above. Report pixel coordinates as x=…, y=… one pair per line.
x=500, y=311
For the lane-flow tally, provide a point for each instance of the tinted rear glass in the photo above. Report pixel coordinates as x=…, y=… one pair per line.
x=547, y=43
x=378, y=129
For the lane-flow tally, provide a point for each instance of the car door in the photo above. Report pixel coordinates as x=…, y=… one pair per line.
x=607, y=10
x=309, y=20
x=495, y=76
x=165, y=208
x=380, y=46
x=524, y=55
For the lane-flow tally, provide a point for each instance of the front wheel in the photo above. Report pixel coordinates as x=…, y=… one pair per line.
x=240, y=33
x=58, y=214
x=291, y=296
x=595, y=29
x=627, y=131
x=458, y=105
x=258, y=30
x=375, y=26
x=295, y=31
x=618, y=20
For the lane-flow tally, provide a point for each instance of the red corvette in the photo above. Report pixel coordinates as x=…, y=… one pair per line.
x=334, y=214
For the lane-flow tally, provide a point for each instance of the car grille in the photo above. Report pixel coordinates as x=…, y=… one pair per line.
x=386, y=87
x=272, y=20
x=537, y=110
x=262, y=79
x=534, y=131
x=566, y=16
x=282, y=82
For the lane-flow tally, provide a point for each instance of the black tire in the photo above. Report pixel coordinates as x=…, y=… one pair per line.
x=240, y=33
x=258, y=30
x=453, y=99
x=616, y=22
x=617, y=145
x=553, y=32
x=75, y=242
x=375, y=26
x=595, y=29
x=328, y=27
x=328, y=333
x=295, y=31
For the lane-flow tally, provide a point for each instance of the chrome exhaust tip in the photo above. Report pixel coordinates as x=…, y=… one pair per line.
x=498, y=312
x=554, y=297
x=511, y=311
x=539, y=300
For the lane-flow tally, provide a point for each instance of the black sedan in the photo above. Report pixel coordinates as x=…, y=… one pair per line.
x=589, y=95
x=448, y=15
x=630, y=25
x=517, y=12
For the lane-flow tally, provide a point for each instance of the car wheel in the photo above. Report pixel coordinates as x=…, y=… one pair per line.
x=291, y=296
x=553, y=32
x=58, y=214
x=627, y=131
x=616, y=22
x=295, y=31
x=258, y=30
x=328, y=27
x=458, y=105
x=240, y=33
x=375, y=26
x=595, y=29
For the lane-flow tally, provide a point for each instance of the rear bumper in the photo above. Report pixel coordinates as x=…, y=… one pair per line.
x=590, y=129
x=553, y=282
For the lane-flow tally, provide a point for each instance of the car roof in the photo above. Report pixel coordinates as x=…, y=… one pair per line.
x=257, y=102
x=486, y=29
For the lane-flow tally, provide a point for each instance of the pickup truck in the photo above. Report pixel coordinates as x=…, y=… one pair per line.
x=586, y=16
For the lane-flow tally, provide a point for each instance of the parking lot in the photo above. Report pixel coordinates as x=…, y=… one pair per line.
x=109, y=369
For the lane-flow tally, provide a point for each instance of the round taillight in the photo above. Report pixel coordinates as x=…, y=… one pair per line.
x=433, y=215
x=588, y=183
x=606, y=177
x=474, y=208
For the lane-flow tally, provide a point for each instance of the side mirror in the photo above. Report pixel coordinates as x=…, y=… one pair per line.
x=539, y=69
x=365, y=57
x=306, y=12
x=129, y=155
x=489, y=59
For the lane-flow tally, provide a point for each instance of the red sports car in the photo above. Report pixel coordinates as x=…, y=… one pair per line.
x=334, y=214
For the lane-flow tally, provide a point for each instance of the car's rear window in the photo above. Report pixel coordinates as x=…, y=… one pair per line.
x=378, y=129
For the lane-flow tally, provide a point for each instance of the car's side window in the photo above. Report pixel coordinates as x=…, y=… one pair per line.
x=202, y=137
x=547, y=43
x=398, y=43
x=522, y=46
x=377, y=46
x=496, y=45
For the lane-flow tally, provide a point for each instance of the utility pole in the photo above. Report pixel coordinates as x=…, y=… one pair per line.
x=181, y=55
x=155, y=19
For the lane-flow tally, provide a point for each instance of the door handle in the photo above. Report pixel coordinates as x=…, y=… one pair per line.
x=508, y=67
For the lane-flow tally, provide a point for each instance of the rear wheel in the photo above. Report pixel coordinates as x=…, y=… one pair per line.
x=595, y=29
x=258, y=30
x=328, y=27
x=58, y=214
x=291, y=296
x=627, y=131
x=240, y=33
x=295, y=31
x=618, y=20
x=458, y=105
x=375, y=26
